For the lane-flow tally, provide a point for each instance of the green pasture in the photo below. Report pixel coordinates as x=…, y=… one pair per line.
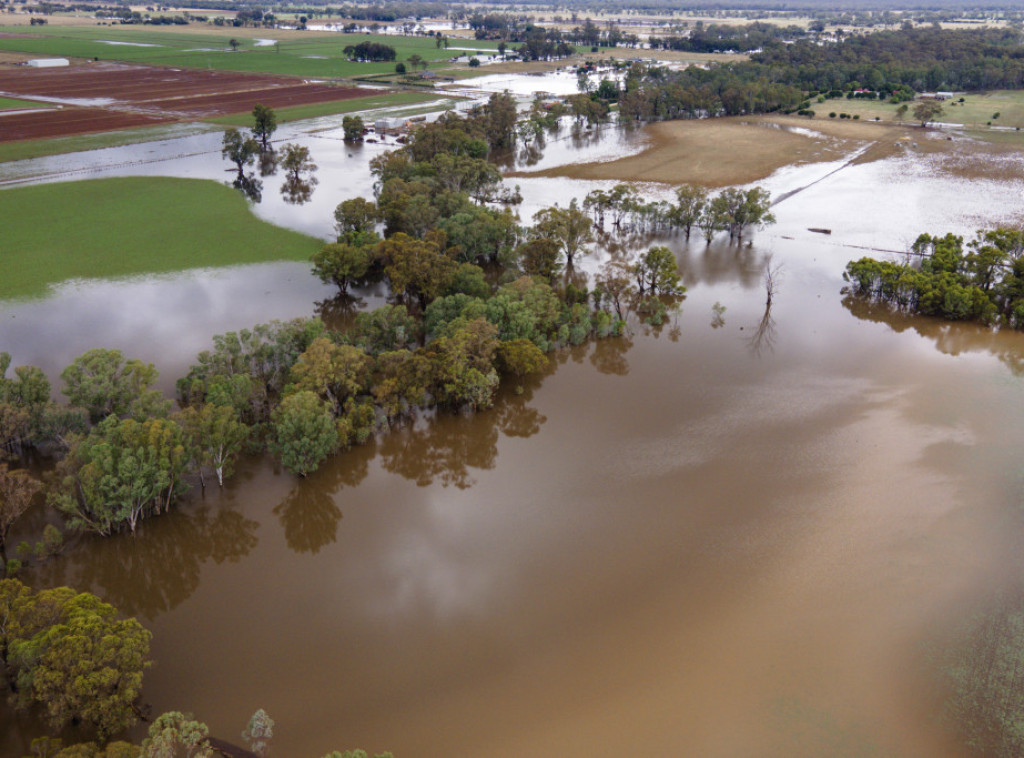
x=128, y=226
x=11, y=104
x=976, y=110
x=319, y=55
x=300, y=112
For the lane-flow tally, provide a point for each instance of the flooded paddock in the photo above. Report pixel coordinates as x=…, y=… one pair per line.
x=741, y=533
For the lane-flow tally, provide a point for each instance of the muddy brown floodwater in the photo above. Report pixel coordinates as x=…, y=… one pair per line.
x=734, y=535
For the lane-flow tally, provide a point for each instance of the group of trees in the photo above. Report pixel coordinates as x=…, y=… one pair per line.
x=783, y=75
x=984, y=282
x=244, y=151
x=733, y=210
x=369, y=51
x=70, y=655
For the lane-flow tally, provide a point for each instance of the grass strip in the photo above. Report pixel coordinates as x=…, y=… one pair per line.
x=299, y=112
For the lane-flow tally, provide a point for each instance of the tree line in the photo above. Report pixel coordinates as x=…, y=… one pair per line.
x=983, y=281
x=782, y=77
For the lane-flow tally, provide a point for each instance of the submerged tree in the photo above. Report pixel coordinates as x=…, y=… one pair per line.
x=299, y=167
x=303, y=432
x=570, y=227
x=264, y=124
x=259, y=732
x=17, y=488
x=103, y=383
x=240, y=150
x=71, y=655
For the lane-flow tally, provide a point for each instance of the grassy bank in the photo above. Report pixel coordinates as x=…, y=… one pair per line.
x=977, y=110
x=138, y=225
x=12, y=104
x=300, y=112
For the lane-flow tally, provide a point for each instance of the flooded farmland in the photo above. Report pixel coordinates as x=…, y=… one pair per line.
x=741, y=533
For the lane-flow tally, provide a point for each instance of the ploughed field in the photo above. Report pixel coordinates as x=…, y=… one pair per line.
x=116, y=96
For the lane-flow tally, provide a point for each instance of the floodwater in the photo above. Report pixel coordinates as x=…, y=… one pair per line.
x=739, y=534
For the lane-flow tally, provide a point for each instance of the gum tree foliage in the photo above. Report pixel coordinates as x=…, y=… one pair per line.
x=213, y=436
x=342, y=264
x=384, y=329
x=985, y=282
x=927, y=110
x=249, y=368
x=103, y=383
x=570, y=228
x=259, y=732
x=520, y=357
x=240, y=150
x=690, y=202
x=353, y=127
x=419, y=268
x=302, y=432
x=656, y=272
x=356, y=215
x=462, y=363
x=264, y=125
x=17, y=488
x=118, y=474
x=177, y=735
x=335, y=373
x=71, y=656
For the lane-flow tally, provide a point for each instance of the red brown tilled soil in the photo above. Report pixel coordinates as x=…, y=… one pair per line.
x=146, y=95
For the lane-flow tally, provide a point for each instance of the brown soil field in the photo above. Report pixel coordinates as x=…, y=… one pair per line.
x=67, y=121
x=739, y=150
x=154, y=95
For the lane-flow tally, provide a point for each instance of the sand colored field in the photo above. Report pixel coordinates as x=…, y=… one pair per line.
x=730, y=151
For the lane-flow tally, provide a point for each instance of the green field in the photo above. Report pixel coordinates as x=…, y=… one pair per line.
x=10, y=104
x=320, y=55
x=300, y=112
x=976, y=110
x=119, y=227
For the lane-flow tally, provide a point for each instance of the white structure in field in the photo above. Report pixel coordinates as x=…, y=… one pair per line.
x=47, y=62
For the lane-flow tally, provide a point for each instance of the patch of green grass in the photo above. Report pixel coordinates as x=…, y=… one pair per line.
x=300, y=112
x=317, y=56
x=127, y=226
x=10, y=104
x=976, y=110
x=38, y=148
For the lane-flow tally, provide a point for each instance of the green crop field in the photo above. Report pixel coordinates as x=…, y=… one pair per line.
x=976, y=110
x=120, y=227
x=10, y=104
x=319, y=55
x=299, y=112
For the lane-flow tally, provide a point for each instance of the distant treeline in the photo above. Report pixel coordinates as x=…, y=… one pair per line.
x=785, y=76
x=727, y=38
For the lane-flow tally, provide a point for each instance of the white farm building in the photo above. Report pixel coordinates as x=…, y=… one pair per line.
x=47, y=62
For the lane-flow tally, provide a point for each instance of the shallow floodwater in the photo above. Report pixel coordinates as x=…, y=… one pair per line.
x=738, y=534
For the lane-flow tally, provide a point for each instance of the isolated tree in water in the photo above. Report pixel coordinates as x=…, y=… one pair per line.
x=265, y=124
x=175, y=734
x=239, y=150
x=259, y=732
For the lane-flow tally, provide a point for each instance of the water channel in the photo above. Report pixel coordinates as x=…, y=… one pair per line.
x=731, y=535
